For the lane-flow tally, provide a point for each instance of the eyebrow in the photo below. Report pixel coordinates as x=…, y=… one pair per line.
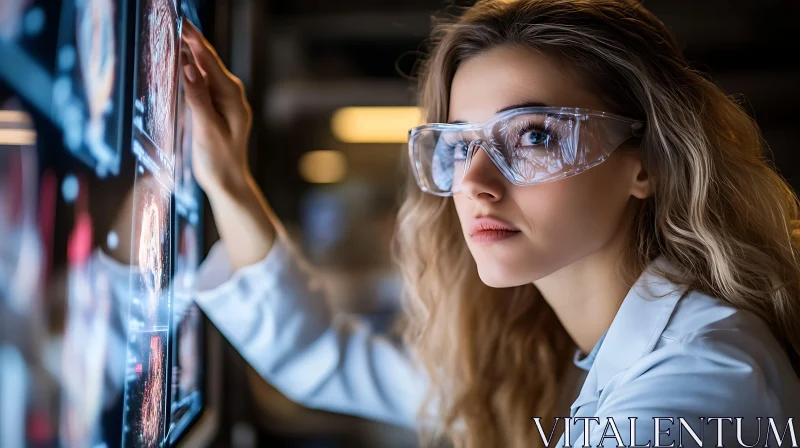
x=513, y=106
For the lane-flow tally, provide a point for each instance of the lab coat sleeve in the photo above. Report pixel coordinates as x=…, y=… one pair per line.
x=279, y=320
x=693, y=380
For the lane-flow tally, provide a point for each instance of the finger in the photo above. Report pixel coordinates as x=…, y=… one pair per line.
x=207, y=59
x=226, y=90
x=186, y=56
x=197, y=95
x=191, y=31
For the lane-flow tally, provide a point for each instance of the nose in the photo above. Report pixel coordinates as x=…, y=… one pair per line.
x=482, y=181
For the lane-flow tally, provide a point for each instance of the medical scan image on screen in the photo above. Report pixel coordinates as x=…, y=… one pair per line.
x=150, y=306
x=157, y=76
x=87, y=85
x=146, y=397
x=152, y=246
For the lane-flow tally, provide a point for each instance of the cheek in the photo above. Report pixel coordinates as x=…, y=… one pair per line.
x=578, y=215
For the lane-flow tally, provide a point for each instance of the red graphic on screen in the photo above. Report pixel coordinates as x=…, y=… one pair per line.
x=150, y=261
x=153, y=400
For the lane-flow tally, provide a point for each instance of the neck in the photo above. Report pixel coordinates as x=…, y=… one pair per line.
x=587, y=293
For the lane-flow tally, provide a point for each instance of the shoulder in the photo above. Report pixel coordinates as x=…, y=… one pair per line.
x=697, y=313
x=713, y=357
x=706, y=327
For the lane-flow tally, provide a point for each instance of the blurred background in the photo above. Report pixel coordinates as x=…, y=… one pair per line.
x=332, y=91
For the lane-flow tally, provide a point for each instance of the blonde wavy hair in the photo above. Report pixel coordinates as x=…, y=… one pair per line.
x=497, y=357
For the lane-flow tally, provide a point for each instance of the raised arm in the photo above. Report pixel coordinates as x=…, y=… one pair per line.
x=221, y=125
x=255, y=287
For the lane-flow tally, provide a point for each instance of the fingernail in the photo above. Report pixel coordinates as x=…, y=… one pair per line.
x=187, y=28
x=191, y=72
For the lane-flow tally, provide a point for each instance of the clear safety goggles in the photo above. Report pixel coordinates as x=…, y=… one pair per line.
x=529, y=145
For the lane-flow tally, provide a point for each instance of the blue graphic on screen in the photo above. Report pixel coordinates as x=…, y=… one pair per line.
x=88, y=82
x=27, y=28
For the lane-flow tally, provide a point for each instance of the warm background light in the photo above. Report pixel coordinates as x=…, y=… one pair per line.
x=15, y=128
x=323, y=167
x=22, y=137
x=15, y=116
x=374, y=124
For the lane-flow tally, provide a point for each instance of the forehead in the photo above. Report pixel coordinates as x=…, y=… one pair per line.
x=507, y=76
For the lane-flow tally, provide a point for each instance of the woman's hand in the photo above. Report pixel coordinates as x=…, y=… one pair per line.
x=221, y=116
x=221, y=120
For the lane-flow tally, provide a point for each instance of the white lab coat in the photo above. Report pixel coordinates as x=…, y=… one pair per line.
x=668, y=353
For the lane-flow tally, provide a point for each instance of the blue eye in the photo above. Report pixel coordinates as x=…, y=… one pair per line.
x=442, y=165
x=533, y=138
x=460, y=151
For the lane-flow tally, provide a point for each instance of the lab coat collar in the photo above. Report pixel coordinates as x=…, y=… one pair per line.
x=636, y=328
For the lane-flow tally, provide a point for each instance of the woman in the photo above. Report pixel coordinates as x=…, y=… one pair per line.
x=593, y=202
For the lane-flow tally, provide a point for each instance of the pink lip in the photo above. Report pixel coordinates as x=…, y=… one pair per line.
x=488, y=230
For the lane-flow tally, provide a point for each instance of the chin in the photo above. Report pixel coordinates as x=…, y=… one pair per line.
x=502, y=275
x=498, y=277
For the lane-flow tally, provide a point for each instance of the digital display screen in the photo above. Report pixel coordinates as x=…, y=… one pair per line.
x=28, y=32
x=156, y=85
x=165, y=327
x=147, y=390
x=88, y=85
x=102, y=225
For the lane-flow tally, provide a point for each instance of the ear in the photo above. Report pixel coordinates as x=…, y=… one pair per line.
x=641, y=186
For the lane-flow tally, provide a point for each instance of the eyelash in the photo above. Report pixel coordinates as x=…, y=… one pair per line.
x=528, y=126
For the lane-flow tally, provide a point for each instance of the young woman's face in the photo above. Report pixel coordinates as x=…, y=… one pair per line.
x=557, y=223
